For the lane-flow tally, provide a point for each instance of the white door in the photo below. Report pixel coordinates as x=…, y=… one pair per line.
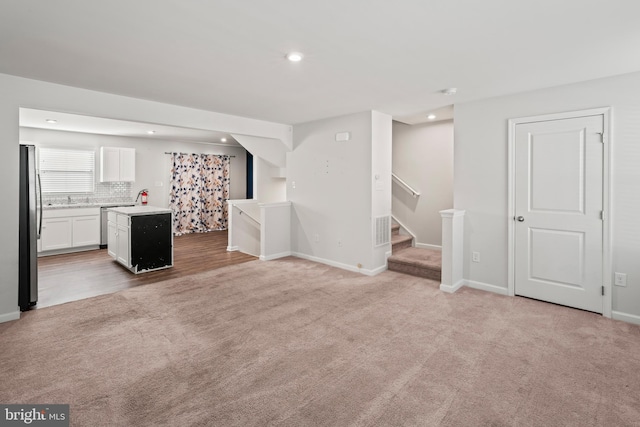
x=559, y=202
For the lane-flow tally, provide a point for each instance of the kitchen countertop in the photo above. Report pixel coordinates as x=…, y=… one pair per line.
x=139, y=210
x=85, y=205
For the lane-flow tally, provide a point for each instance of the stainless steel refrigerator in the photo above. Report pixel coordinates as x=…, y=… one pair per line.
x=30, y=227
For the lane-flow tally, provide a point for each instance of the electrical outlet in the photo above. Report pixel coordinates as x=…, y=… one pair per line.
x=293, y=184
x=475, y=256
x=620, y=279
x=316, y=237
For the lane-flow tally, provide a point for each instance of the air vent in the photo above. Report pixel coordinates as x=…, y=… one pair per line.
x=382, y=232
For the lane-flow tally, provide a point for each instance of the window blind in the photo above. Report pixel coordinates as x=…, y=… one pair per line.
x=67, y=171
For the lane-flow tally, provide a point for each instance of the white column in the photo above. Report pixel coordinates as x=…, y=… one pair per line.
x=452, y=249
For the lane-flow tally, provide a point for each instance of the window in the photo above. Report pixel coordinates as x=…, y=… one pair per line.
x=67, y=171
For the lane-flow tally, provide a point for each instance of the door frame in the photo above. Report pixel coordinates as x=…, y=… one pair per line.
x=606, y=196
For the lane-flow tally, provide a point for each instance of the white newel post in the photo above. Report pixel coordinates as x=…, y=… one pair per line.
x=452, y=249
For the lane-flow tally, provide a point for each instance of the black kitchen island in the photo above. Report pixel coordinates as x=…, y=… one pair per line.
x=140, y=237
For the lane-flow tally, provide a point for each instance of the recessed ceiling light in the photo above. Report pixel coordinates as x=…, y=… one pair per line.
x=431, y=116
x=151, y=132
x=51, y=121
x=294, y=56
x=223, y=139
x=450, y=91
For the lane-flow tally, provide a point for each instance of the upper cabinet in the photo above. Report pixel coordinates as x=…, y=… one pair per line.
x=117, y=164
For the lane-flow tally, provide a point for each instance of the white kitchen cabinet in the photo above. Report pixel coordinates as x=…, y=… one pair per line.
x=123, y=245
x=127, y=164
x=86, y=230
x=64, y=230
x=57, y=233
x=112, y=239
x=117, y=164
x=118, y=242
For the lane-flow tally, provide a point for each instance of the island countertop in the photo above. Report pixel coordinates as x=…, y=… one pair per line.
x=139, y=210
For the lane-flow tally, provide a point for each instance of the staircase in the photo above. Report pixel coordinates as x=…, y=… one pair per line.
x=414, y=261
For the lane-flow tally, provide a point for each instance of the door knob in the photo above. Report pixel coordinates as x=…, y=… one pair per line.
x=521, y=219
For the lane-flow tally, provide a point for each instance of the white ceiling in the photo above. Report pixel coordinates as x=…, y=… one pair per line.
x=394, y=57
x=32, y=118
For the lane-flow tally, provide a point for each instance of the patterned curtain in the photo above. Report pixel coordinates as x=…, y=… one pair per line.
x=199, y=190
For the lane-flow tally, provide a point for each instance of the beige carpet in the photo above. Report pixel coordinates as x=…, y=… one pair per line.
x=295, y=343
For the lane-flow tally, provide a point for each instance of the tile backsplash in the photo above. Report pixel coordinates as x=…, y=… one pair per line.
x=106, y=192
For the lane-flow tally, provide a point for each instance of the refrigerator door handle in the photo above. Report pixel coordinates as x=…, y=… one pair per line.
x=40, y=203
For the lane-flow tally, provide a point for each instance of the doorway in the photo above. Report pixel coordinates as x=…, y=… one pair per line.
x=558, y=209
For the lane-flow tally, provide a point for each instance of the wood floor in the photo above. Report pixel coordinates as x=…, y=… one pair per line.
x=70, y=277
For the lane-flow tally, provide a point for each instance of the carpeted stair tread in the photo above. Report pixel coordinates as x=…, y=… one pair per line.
x=400, y=241
x=419, y=262
x=395, y=228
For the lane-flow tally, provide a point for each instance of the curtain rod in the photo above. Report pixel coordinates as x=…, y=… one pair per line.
x=208, y=154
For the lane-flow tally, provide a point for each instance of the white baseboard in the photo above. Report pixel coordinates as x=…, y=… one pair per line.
x=232, y=248
x=486, y=287
x=68, y=250
x=625, y=317
x=340, y=265
x=427, y=246
x=8, y=317
x=275, y=256
x=451, y=288
x=374, y=271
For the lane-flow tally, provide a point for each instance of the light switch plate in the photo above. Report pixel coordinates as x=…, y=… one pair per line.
x=620, y=279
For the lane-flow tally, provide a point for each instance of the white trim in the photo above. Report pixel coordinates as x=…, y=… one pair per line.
x=451, y=213
x=606, y=194
x=232, y=248
x=427, y=246
x=486, y=287
x=8, y=317
x=241, y=201
x=275, y=256
x=274, y=204
x=625, y=317
x=340, y=265
x=68, y=250
x=451, y=288
x=411, y=233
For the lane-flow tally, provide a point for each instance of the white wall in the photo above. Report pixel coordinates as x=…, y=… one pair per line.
x=275, y=230
x=19, y=92
x=266, y=187
x=332, y=197
x=381, y=154
x=152, y=165
x=480, y=178
x=423, y=158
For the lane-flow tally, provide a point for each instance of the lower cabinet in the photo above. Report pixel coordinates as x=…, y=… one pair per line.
x=122, y=256
x=112, y=238
x=69, y=229
x=56, y=233
x=86, y=230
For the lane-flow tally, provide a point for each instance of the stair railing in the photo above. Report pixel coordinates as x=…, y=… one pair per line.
x=246, y=214
x=404, y=185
